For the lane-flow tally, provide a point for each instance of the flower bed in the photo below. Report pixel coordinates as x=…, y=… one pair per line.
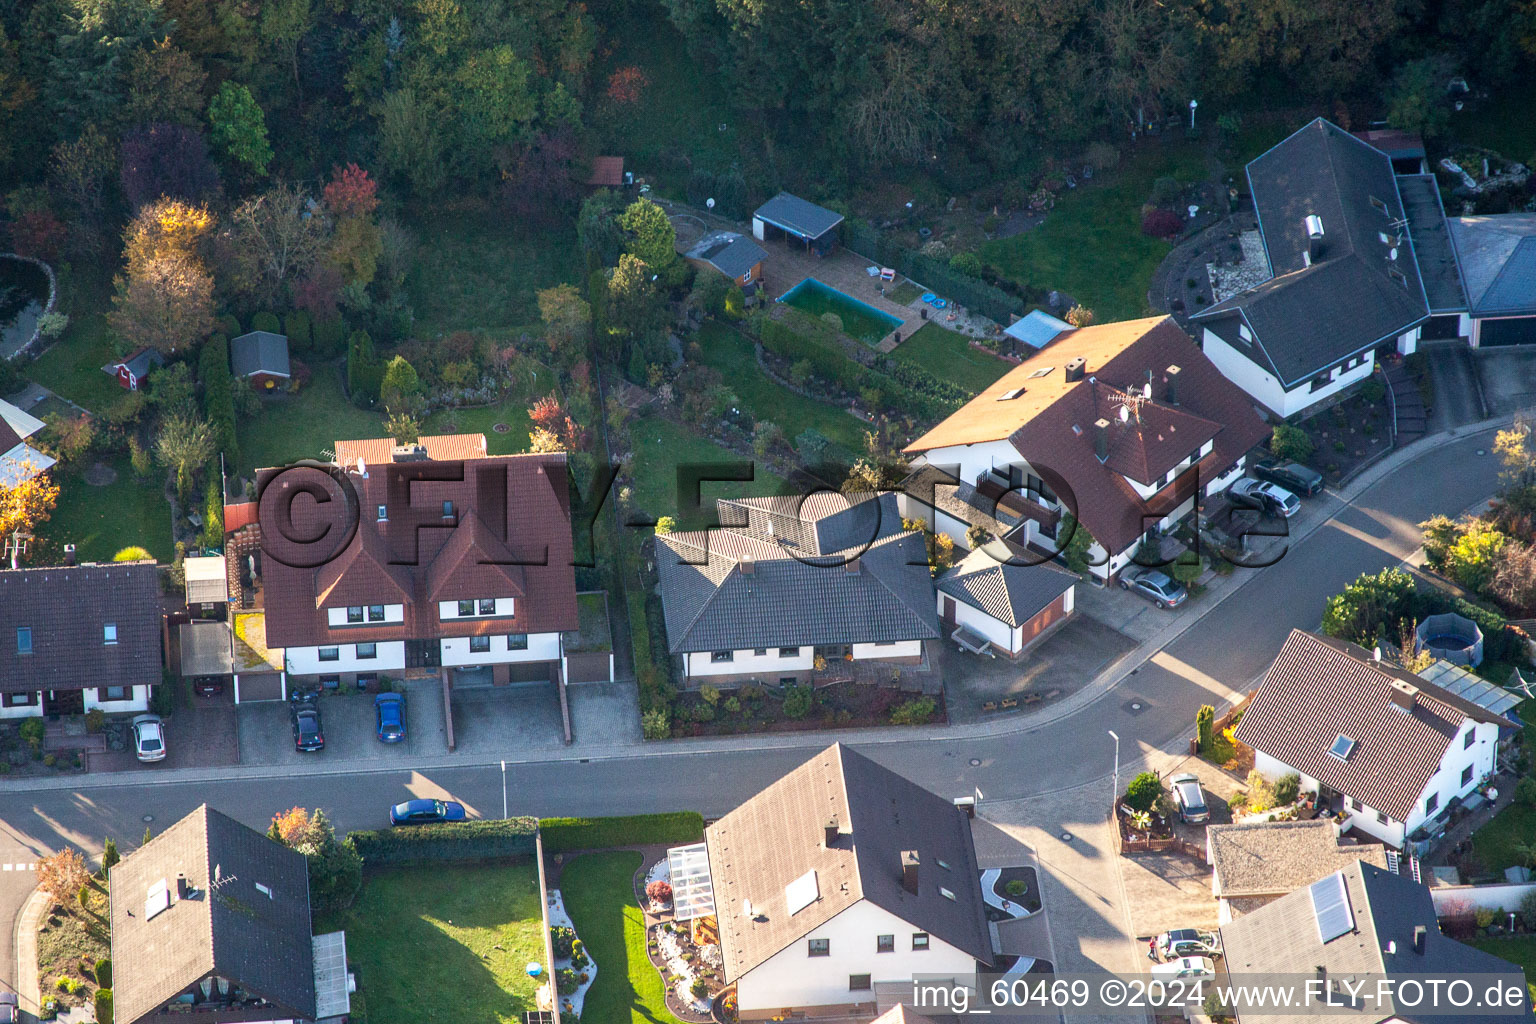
x=692, y=972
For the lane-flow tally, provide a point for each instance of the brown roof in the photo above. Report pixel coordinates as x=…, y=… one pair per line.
x=8, y=437
x=607, y=170
x=507, y=508
x=778, y=836
x=1320, y=688
x=440, y=447
x=1051, y=423
x=66, y=610
x=1274, y=858
x=224, y=926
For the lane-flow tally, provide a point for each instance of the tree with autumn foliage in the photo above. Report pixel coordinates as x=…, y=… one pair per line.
x=626, y=85
x=335, y=869
x=62, y=875
x=164, y=296
x=350, y=192
x=554, y=428
x=26, y=505
x=567, y=318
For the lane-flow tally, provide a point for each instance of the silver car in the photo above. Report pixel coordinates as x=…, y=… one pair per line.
x=1189, y=798
x=1157, y=587
x=149, y=738
x=1271, y=498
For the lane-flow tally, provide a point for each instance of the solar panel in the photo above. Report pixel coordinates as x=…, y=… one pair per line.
x=802, y=892
x=1330, y=905
x=1342, y=748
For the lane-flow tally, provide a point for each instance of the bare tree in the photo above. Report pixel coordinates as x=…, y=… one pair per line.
x=896, y=118
x=283, y=230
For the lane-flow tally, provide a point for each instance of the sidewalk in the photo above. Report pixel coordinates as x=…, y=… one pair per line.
x=26, y=952
x=1221, y=588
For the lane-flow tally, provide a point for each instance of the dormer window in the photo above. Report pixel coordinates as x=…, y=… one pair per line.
x=375, y=613
x=109, y=633
x=354, y=614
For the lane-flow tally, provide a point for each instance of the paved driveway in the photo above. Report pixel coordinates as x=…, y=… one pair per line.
x=266, y=735
x=206, y=736
x=1066, y=660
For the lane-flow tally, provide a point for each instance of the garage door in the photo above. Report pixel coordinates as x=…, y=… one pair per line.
x=1439, y=328
x=1511, y=331
x=260, y=686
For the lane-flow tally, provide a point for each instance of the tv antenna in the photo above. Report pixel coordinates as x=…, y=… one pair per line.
x=1129, y=405
x=16, y=546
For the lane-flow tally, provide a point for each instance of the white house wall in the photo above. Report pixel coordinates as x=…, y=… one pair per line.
x=448, y=611
x=33, y=710
x=541, y=647
x=993, y=629
x=138, y=700
x=1266, y=389
x=884, y=652
x=336, y=618
x=791, y=978
x=305, y=661
x=745, y=661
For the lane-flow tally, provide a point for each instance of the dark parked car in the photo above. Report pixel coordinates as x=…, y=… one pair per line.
x=1293, y=476
x=307, y=733
x=8, y=1004
x=426, y=812
x=390, y=711
x=1157, y=587
x=208, y=686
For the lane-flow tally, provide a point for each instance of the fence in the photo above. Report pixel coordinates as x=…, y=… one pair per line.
x=936, y=274
x=1223, y=723
x=1130, y=847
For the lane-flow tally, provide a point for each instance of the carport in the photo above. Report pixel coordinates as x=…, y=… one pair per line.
x=793, y=217
x=207, y=653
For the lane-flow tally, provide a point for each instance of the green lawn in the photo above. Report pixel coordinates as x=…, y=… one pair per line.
x=949, y=355
x=72, y=366
x=446, y=944
x=600, y=899
x=306, y=425
x=1091, y=245
x=513, y=412
x=1519, y=950
x=661, y=446
x=479, y=269
x=731, y=352
x=1496, y=842
x=101, y=521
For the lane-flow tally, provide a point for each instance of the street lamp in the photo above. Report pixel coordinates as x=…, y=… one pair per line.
x=1114, y=796
x=504, y=789
x=1192, y=105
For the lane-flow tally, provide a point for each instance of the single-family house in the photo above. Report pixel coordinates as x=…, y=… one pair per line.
x=78, y=637
x=1360, y=924
x=1011, y=604
x=735, y=255
x=131, y=370
x=458, y=561
x=260, y=357
x=789, y=216
x=838, y=878
x=1394, y=748
x=786, y=580
x=1343, y=274
x=1126, y=426
x=19, y=461
x=211, y=923
x=1255, y=863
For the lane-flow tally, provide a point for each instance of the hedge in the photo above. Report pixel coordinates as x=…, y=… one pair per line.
x=562, y=835
x=796, y=338
x=936, y=274
x=493, y=839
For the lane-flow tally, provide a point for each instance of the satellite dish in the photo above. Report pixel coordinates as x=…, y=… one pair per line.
x=1125, y=414
x=710, y=202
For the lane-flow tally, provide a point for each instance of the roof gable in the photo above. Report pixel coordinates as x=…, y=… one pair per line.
x=1009, y=592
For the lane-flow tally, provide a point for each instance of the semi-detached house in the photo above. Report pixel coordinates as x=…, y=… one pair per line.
x=1124, y=425
x=1397, y=748
x=460, y=562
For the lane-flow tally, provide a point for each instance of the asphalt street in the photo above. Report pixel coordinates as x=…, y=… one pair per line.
x=1151, y=708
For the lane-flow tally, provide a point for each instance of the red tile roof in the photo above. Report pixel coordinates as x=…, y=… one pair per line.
x=607, y=170
x=1320, y=688
x=1052, y=423
x=505, y=508
x=440, y=447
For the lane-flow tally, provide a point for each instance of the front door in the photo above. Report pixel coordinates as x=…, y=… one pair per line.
x=63, y=702
x=423, y=654
x=949, y=610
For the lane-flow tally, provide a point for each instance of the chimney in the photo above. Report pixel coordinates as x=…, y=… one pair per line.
x=69, y=555
x=830, y=833
x=1101, y=439
x=1403, y=695
x=1322, y=975
x=748, y=566
x=181, y=886
x=852, y=567
x=1074, y=369
x=1420, y=936
x=1171, y=375
x=1314, y=228
x=909, y=871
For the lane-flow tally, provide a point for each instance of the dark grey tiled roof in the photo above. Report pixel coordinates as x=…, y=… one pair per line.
x=1498, y=261
x=259, y=941
x=1307, y=318
x=779, y=836
x=66, y=610
x=259, y=352
x=1283, y=938
x=728, y=252
x=1010, y=593
x=1432, y=242
x=799, y=216
x=799, y=591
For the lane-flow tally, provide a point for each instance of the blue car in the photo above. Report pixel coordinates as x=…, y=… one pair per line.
x=426, y=812
x=390, y=710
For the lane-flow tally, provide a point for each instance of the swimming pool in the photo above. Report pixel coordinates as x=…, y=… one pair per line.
x=860, y=319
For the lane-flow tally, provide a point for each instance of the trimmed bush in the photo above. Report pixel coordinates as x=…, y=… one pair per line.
x=461, y=841
x=300, y=330
x=562, y=835
x=265, y=321
x=103, y=1006
x=1205, y=719
x=104, y=972
x=1143, y=791
x=227, y=325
